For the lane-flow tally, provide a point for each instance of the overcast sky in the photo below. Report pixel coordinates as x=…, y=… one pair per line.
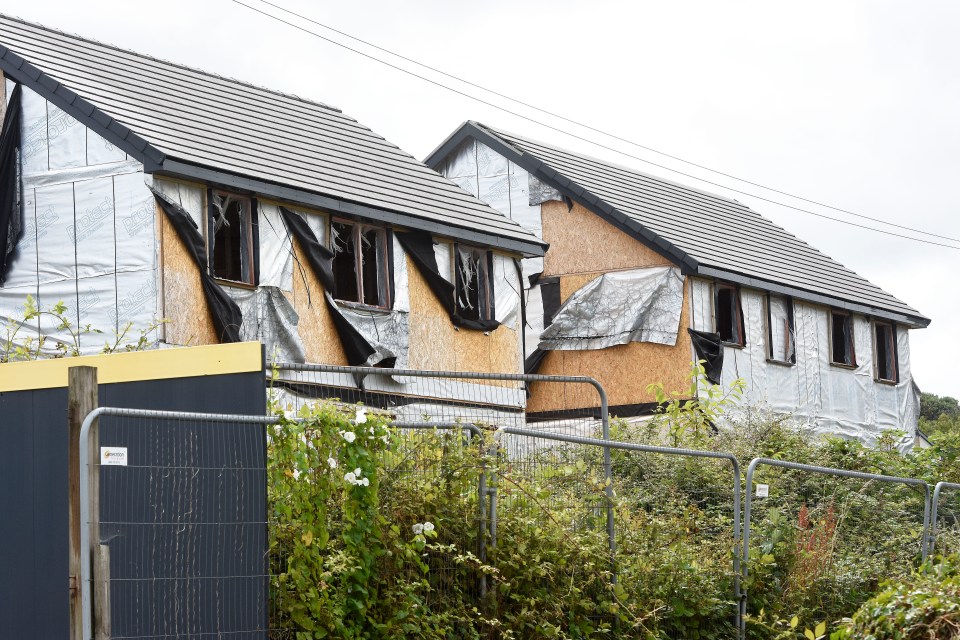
x=855, y=104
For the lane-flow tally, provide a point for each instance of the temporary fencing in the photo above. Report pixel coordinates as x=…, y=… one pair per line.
x=174, y=536
x=944, y=537
x=813, y=523
x=550, y=476
x=178, y=540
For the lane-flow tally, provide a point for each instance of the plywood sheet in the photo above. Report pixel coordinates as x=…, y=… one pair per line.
x=435, y=343
x=317, y=331
x=583, y=242
x=188, y=321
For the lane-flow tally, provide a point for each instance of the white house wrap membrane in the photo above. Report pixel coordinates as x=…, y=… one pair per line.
x=826, y=398
x=88, y=234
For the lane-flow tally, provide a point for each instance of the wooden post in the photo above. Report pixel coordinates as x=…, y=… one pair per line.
x=101, y=593
x=81, y=400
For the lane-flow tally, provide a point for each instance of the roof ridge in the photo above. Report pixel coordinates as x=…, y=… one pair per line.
x=179, y=65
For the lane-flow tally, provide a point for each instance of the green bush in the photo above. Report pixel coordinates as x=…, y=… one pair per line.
x=925, y=606
x=353, y=557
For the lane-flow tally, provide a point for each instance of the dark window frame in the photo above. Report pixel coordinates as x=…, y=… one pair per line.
x=384, y=265
x=790, y=328
x=736, y=322
x=485, y=298
x=249, y=256
x=848, y=321
x=892, y=346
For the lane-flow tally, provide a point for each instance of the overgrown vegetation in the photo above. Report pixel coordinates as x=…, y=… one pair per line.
x=19, y=340
x=924, y=606
x=379, y=533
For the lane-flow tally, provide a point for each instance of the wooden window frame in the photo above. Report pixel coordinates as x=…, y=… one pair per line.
x=248, y=239
x=893, y=348
x=738, y=308
x=384, y=254
x=790, y=328
x=486, y=301
x=851, y=338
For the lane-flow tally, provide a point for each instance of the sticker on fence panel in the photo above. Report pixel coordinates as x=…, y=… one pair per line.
x=113, y=456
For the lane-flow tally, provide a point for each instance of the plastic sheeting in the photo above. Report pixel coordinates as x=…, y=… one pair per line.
x=826, y=399
x=189, y=197
x=510, y=399
x=276, y=249
x=89, y=237
x=640, y=305
x=500, y=183
x=388, y=332
x=506, y=291
x=270, y=318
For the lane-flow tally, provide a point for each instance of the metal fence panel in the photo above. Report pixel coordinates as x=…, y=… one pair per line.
x=670, y=534
x=944, y=537
x=807, y=552
x=181, y=507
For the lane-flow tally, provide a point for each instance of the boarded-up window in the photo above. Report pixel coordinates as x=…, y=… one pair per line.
x=474, y=291
x=230, y=237
x=842, y=349
x=885, y=351
x=780, y=336
x=729, y=315
x=360, y=264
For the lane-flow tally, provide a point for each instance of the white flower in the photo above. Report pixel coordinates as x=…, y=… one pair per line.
x=428, y=526
x=350, y=477
x=361, y=415
x=385, y=439
x=296, y=474
x=365, y=482
x=418, y=528
x=358, y=472
x=290, y=414
x=331, y=463
x=349, y=436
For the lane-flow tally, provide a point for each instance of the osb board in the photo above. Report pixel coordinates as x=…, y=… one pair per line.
x=184, y=306
x=570, y=284
x=435, y=343
x=624, y=371
x=317, y=331
x=583, y=242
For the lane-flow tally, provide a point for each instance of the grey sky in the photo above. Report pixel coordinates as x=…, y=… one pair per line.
x=855, y=104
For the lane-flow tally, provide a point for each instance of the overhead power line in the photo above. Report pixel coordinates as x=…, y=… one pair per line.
x=596, y=130
x=587, y=140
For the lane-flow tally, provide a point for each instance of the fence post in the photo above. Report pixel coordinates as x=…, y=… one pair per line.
x=81, y=400
x=101, y=593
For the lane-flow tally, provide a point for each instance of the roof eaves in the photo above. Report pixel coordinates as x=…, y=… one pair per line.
x=176, y=168
x=914, y=321
x=51, y=89
x=572, y=190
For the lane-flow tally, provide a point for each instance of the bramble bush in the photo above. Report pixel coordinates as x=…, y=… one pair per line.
x=379, y=533
x=924, y=606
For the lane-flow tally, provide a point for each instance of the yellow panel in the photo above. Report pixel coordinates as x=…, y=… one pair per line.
x=158, y=364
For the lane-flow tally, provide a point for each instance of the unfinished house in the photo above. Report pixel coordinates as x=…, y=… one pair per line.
x=644, y=275
x=136, y=190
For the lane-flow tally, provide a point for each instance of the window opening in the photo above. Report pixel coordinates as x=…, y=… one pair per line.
x=780, y=334
x=360, y=264
x=729, y=316
x=231, y=237
x=841, y=339
x=885, y=348
x=474, y=293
